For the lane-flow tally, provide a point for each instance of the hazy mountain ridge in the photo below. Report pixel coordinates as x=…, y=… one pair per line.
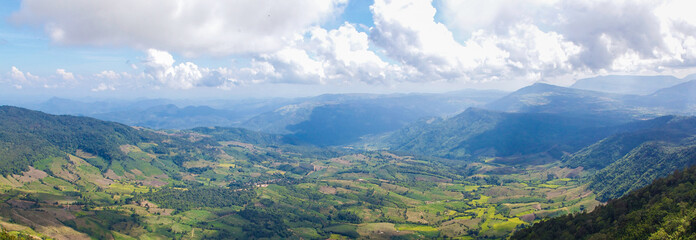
x=629, y=84
x=483, y=133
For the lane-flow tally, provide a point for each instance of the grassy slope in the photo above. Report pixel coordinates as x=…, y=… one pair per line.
x=315, y=194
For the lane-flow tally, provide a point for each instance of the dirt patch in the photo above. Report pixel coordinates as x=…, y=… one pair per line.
x=528, y=217
x=102, y=182
x=110, y=174
x=327, y=190
x=380, y=231
x=199, y=164
x=127, y=148
x=30, y=176
x=59, y=213
x=153, y=183
x=23, y=204
x=137, y=172
x=458, y=227
x=83, y=154
x=65, y=174
x=46, y=223
x=341, y=161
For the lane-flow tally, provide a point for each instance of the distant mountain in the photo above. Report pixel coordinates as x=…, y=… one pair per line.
x=478, y=132
x=626, y=84
x=73, y=107
x=546, y=98
x=336, y=119
x=172, y=117
x=680, y=98
x=662, y=210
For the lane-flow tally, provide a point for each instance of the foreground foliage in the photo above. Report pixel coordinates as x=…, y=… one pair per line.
x=665, y=209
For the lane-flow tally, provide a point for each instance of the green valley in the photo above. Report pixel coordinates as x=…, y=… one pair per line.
x=207, y=184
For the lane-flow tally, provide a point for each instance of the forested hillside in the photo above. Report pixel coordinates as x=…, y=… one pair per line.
x=482, y=133
x=28, y=136
x=665, y=209
x=632, y=159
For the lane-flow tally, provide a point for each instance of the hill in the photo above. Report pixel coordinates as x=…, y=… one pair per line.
x=627, y=84
x=339, y=119
x=545, y=98
x=172, y=117
x=676, y=99
x=29, y=136
x=662, y=210
x=483, y=133
x=664, y=144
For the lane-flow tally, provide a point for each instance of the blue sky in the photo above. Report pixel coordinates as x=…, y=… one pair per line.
x=266, y=48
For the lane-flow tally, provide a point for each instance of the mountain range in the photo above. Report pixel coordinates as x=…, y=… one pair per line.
x=471, y=164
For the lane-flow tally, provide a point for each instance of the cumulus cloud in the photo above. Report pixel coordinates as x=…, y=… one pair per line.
x=323, y=57
x=103, y=87
x=19, y=79
x=347, y=57
x=17, y=75
x=108, y=74
x=412, y=40
x=159, y=65
x=65, y=75
x=590, y=36
x=189, y=27
x=408, y=33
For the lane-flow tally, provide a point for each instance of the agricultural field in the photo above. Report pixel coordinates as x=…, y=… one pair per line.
x=237, y=190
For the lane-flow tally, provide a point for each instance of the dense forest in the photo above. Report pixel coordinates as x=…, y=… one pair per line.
x=665, y=209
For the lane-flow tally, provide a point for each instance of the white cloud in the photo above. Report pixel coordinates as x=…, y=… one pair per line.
x=293, y=65
x=159, y=65
x=598, y=36
x=65, y=75
x=347, y=57
x=190, y=27
x=103, y=87
x=502, y=41
x=408, y=33
x=324, y=57
x=108, y=74
x=17, y=75
x=19, y=79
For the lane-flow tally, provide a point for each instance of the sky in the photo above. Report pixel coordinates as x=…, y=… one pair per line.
x=290, y=48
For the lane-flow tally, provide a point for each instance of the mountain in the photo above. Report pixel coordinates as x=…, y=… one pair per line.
x=664, y=144
x=337, y=119
x=678, y=99
x=164, y=113
x=478, y=132
x=626, y=84
x=545, y=98
x=74, y=107
x=27, y=137
x=662, y=210
x=668, y=129
x=172, y=117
